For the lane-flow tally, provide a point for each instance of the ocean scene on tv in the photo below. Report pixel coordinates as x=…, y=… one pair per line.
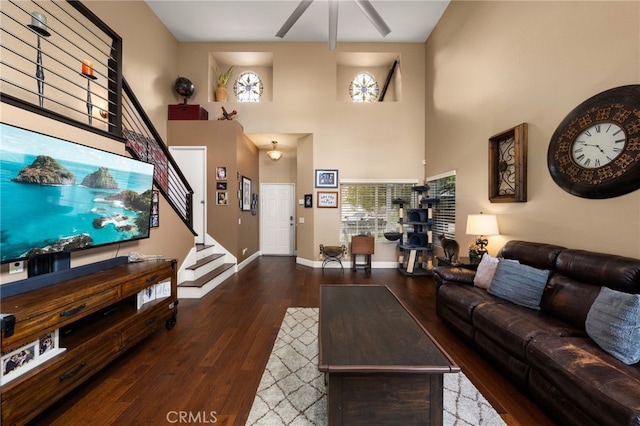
x=57, y=195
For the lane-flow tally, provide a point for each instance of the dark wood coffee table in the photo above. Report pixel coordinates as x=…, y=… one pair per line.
x=383, y=367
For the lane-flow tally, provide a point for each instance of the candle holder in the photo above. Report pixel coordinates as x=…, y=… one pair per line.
x=89, y=77
x=39, y=26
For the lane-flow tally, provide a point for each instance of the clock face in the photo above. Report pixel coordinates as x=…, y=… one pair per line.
x=598, y=145
x=595, y=151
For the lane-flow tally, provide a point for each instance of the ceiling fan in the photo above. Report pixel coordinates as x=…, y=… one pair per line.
x=365, y=6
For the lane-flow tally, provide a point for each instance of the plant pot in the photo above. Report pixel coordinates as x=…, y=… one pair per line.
x=221, y=94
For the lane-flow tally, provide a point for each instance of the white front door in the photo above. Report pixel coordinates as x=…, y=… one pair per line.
x=277, y=217
x=192, y=161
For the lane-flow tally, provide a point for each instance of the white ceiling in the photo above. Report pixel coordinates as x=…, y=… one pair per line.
x=259, y=20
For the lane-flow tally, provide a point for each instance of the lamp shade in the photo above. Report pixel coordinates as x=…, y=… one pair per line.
x=482, y=224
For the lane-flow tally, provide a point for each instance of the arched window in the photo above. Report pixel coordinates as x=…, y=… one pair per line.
x=248, y=87
x=364, y=88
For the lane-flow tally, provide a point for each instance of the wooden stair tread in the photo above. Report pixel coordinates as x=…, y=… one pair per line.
x=204, y=261
x=200, y=282
x=200, y=246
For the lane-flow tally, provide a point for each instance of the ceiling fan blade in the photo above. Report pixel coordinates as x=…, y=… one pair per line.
x=370, y=12
x=297, y=13
x=333, y=23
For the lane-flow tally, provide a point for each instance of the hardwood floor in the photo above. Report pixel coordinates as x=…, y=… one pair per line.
x=207, y=369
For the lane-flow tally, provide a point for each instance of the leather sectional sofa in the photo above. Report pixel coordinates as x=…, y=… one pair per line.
x=547, y=351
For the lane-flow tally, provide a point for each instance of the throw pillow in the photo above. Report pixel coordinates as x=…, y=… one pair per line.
x=613, y=322
x=518, y=283
x=485, y=271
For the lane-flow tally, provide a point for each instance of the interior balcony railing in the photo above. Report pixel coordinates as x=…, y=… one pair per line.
x=59, y=60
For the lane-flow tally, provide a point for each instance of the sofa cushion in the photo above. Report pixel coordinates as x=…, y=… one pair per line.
x=512, y=326
x=520, y=284
x=568, y=300
x=616, y=272
x=613, y=323
x=485, y=271
x=538, y=255
x=463, y=299
x=602, y=386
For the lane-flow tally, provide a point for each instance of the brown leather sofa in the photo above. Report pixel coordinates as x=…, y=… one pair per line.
x=547, y=352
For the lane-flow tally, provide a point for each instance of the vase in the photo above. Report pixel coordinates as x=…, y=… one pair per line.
x=221, y=94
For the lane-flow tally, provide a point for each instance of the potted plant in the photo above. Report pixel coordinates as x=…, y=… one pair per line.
x=223, y=79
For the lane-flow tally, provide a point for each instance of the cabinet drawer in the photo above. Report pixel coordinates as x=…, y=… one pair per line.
x=143, y=324
x=143, y=281
x=26, y=329
x=23, y=398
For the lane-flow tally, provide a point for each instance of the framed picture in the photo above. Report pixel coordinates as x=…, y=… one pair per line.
x=221, y=173
x=221, y=186
x=308, y=201
x=222, y=199
x=327, y=199
x=326, y=178
x=246, y=194
x=508, y=165
x=154, y=219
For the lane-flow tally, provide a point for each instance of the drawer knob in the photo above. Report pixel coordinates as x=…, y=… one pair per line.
x=152, y=278
x=73, y=311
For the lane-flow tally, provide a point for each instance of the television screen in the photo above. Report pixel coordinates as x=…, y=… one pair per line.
x=60, y=196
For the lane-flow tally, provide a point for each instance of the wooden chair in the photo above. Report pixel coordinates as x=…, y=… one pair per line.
x=363, y=245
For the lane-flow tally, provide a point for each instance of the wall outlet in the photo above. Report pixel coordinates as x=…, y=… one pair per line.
x=16, y=267
x=301, y=219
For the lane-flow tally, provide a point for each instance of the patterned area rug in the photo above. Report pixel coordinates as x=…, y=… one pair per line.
x=292, y=391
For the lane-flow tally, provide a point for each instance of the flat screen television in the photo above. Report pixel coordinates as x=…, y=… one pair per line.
x=57, y=196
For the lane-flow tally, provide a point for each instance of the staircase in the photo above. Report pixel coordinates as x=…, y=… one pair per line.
x=208, y=268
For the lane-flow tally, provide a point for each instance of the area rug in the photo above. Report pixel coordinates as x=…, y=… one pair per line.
x=292, y=391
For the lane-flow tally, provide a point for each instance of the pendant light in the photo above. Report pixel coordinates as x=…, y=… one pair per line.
x=274, y=154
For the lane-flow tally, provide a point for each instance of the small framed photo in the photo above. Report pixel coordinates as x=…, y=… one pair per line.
x=222, y=199
x=246, y=194
x=221, y=186
x=154, y=219
x=327, y=199
x=326, y=178
x=221, y=173
x=308, y=201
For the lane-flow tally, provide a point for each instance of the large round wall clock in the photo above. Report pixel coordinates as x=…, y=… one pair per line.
x=595, y=151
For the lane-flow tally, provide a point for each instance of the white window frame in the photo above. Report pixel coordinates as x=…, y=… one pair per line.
x=444, y=212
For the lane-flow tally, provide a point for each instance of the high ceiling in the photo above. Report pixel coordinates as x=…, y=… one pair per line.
x=259, y=20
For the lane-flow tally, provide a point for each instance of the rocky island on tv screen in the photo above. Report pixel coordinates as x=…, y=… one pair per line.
x=57, y=195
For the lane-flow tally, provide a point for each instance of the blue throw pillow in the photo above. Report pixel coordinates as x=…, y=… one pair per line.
x=613, y=322
x=518, y=283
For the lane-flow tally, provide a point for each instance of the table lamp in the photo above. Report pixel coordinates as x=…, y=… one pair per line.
x=482, y=225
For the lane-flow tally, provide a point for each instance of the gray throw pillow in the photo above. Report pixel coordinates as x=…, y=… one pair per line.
x=518, y=283
x=613, y=322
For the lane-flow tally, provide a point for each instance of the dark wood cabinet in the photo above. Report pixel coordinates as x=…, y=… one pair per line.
x=98, y=316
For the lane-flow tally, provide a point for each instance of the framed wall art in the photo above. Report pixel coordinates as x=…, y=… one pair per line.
x=327, y=199
x=246, y=194
x=326, y=178
x=508, y=165
x=221, y=173
x=308, y=201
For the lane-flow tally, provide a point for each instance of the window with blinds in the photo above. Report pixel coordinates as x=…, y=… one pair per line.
x=444, y=213
x=367, y=208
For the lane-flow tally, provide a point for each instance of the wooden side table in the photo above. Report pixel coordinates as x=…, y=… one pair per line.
x=363, y=245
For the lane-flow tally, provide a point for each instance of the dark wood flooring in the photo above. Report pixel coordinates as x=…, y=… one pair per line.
x=207, y=369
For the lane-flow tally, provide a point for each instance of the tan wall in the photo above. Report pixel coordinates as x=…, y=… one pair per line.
x=493, y=65
x=305, y=231
x=363, y=141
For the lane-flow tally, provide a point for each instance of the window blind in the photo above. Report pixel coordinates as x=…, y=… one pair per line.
x=367, y=208
x=444, y=213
